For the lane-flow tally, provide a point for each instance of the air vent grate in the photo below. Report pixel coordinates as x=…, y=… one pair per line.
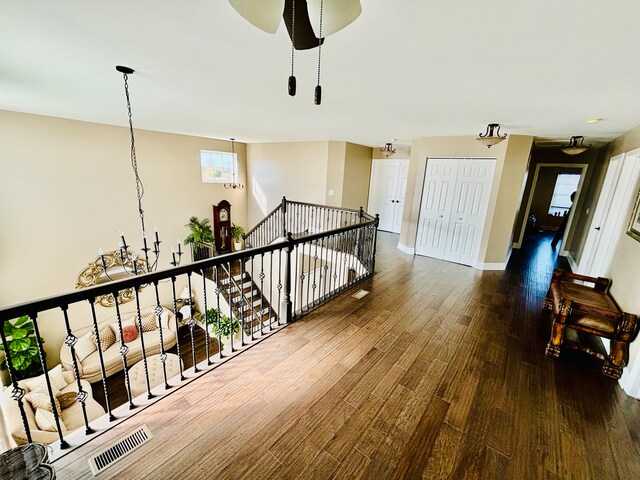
x=121, y=448
x=360, y=294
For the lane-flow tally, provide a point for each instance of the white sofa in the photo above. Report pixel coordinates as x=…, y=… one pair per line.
x=71, y=416
x=89, y=367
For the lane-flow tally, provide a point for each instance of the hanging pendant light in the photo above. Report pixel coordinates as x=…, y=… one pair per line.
x=235, y=185
x=575, y=146
x=388, y=150
x=491, y=136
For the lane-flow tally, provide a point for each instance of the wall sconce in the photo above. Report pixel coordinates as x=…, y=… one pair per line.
x=492, y=135
x=575, y=146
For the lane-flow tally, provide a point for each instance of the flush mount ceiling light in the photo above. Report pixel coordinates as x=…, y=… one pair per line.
x=308, y=22
x=575, y=146
x=492, y=135
x=593, y=120
x=388, y=149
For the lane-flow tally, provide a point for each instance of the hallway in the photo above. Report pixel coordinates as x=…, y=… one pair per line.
x=438, y=373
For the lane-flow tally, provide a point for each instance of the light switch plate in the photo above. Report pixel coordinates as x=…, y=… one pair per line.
x=330, y=193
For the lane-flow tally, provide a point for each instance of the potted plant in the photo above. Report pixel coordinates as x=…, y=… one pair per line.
x=236, y=233
x=23, y=348
x=201, y=233
x=227, y=326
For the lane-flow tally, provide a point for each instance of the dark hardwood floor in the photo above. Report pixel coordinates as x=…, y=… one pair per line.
x=438, y=373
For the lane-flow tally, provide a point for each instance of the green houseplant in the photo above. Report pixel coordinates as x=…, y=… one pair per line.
x=228, y=326
x=236, y=233
x=200, y=231
x=23, y=348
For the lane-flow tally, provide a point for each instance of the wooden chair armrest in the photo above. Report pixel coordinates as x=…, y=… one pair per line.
x=601, y=283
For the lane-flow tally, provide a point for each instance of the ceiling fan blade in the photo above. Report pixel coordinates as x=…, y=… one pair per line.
x=304, y=37
x=264, y=14
x=336, y=14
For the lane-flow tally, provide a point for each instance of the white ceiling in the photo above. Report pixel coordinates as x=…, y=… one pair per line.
x=404, y=69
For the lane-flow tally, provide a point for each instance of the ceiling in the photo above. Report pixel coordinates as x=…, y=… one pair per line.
x=403, y=69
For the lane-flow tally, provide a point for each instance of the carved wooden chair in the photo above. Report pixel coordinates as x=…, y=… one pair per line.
x=591, y=310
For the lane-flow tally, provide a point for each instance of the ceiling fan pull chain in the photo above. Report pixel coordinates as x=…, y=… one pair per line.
x=292, y=78
x=318, y=91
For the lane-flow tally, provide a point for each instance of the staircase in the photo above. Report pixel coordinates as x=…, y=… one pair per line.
x=247, y=301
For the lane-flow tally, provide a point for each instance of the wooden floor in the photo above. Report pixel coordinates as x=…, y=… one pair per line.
x=438, y=373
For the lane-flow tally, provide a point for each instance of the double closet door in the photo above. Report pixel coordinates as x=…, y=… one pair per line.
x=386, y=192
x=455, y=198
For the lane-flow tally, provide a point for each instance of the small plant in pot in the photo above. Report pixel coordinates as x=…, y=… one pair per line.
x=225, y=328
x=236, y=233
x=23, y=348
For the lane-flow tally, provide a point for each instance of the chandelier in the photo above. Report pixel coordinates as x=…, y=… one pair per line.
x=235, y=185
x=575, y=146
x=388, y=150
x=134, y=264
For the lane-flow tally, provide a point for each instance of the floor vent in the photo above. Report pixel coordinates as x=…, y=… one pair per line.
x=360, y=294
x=121, y=448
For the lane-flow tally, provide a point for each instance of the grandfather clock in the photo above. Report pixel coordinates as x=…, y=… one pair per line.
x=222, y=226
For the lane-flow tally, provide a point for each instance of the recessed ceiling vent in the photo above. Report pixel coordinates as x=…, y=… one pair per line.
x=121, y=448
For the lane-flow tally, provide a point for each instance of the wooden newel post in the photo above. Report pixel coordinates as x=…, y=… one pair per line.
x=287, y=305
x=284, y=216
x=375, y=240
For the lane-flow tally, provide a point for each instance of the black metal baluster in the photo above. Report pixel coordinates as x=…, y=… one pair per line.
x=315, y=268
x=144, y=353
x=375, y=240
x=325, y=269
x=103, y=372
x=18, y=392
x=297, y=301
x=261, y=276
x=206, y=323
x=242, y=302
x=123, y=353
x=341, y=262
x=308, y=244
x=251, y=308
x=279, y=286
x=192, y=324
x=217, y=319
x=288, y=310
x=175, y=316
x=230, y=308
x=163, y=354
x=71, y=341
x=271, y=254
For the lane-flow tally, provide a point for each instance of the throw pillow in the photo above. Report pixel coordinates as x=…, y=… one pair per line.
x=66, y=399
x=125, y=323
x=148, y=322
x=47, y=422
x=85, y=346
x=107, y=338
x=56, y=378
x=41, y=401
x=129, y=333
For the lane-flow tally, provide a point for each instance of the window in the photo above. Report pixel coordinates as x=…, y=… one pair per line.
x=566, y=184
x=218, y=167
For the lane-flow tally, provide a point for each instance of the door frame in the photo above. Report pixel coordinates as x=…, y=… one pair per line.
x=583, y=167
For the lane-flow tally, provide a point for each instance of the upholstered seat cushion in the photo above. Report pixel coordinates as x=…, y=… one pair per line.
x=156, y=374
x=580, y=293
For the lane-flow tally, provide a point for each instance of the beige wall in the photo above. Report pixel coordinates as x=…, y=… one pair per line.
x=297, y=170
x=357, y=174
x=512, y=157
x=335, y=173
x=67, y=188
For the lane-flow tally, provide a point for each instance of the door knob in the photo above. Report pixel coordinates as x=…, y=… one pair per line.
x=439, y=216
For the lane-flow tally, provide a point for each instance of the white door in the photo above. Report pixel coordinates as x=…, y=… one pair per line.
x=435, y=209
x=403, y=173
x=600, y=215
x=386, y=192
x=470, y=202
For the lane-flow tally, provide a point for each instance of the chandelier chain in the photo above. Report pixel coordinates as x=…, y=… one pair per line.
x=293, y=33
x=320, y=40
x=134, y=160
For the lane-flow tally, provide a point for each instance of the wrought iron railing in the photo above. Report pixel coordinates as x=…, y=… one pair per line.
x=321, y=251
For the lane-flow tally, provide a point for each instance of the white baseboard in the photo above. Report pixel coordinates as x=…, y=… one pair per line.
x=405, y=249
x=490, y=266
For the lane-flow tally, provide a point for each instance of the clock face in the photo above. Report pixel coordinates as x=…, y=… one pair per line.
x=224, y=215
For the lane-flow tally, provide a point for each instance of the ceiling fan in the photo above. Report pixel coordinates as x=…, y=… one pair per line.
x=301, y=17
